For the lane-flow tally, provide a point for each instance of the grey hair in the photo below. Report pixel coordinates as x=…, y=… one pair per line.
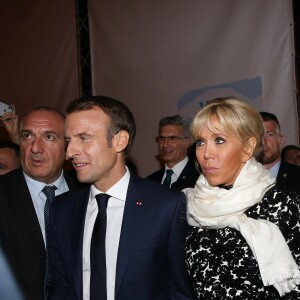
x=175, y=120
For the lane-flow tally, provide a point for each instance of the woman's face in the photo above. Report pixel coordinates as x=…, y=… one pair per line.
x=220, y=154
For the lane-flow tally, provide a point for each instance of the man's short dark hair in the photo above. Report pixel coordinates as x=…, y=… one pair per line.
x=266, y=116
x=11, y=145
x=121, y=118
x=175, y=120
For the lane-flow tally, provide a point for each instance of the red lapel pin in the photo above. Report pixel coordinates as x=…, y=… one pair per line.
x=139, y=203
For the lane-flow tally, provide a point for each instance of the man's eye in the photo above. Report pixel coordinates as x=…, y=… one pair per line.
x=2, y=167
x=26, y=136
x=84, y=138
x=50, y=137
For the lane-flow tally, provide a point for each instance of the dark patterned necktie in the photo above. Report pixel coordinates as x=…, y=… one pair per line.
x=167, y=181
x=49, y=191
x=98, y=257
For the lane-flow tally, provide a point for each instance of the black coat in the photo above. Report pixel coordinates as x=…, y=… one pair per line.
x=21, y=237
x=288, y=177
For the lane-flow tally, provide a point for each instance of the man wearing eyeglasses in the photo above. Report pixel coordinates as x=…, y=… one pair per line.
x=287, y=175
x=174, y=142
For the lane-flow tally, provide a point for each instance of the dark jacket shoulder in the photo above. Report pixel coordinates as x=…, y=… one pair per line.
x=288, y=177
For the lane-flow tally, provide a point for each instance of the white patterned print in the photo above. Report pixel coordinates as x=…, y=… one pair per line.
x=221, y=264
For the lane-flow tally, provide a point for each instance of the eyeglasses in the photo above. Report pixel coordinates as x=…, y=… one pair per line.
x=171, y=139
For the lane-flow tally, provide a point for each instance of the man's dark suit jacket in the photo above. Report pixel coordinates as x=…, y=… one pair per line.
x=21, y=236
x=288, y=177
x=150, y=263
x=186, y=179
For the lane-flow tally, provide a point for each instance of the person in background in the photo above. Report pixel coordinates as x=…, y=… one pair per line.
x=9, y=157
x=243, y=241
x=287, y=175
x=116, y=239
x=11, y=123
x=291, y=154
x=174, y=141
x=23, y=199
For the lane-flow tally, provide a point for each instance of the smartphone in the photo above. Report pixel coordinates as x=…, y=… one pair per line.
x=5, y=108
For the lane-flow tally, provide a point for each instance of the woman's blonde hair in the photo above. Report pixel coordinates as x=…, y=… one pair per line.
x=233, y=115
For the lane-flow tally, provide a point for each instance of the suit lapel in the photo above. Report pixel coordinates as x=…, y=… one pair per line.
x=70, y=182
x=80, y=200
x=187, y=171
x=24, y=211
x=161, y=175
x=184, y=173
x=132, y=217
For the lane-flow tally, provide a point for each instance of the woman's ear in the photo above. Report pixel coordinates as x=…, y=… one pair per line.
x=249, y=148
x=121, y=140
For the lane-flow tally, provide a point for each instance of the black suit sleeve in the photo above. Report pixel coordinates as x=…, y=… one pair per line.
x=180, y=286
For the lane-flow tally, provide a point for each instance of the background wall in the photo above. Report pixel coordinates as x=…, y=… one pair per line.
x=38, y=53
x=159, y=57
x=168, y=57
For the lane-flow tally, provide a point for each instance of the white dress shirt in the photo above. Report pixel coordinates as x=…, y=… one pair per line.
x=115, y=210
x=39, y=198
x=275, y=169
x=177, y=169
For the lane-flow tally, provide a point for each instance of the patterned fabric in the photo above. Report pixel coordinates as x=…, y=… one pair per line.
x=221, y=264
x=167, y=181
x=49, y=191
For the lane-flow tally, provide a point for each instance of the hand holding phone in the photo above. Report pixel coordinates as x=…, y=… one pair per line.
x=5, y=108
x=10, y=121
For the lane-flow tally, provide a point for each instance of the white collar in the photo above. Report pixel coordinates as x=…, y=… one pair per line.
x=275, y=169
x=118, y=190
x=35, y=187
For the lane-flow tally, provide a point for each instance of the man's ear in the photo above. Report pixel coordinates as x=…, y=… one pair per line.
x=281, y=141
x=120, y=140
x=249, y=148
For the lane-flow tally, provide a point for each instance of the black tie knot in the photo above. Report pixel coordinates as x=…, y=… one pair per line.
x=49, y=191
x=169, y=172
x=102, y=200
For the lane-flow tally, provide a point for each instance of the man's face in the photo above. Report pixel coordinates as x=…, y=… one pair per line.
x=172, y=152
x=42, y=145
x=8, y=160
x=272, y=144
x=94, y=160
x=292, y=156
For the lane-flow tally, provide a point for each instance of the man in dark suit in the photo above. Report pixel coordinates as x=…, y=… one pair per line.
x=174, y=142
x=22, y=202
x=140, y=239
x=287, y=175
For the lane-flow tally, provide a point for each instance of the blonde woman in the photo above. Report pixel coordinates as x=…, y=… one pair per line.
x=244, y=238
